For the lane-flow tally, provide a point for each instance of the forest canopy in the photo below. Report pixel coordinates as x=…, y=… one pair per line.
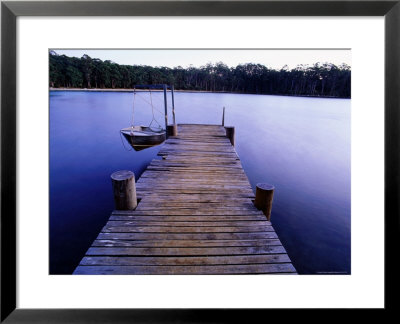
x=321, y=79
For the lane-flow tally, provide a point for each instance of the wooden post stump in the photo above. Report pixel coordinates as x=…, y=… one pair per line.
x=124, y=188
x=223, y=116
x=230, y=133
x=172, y=130
x=264, y=197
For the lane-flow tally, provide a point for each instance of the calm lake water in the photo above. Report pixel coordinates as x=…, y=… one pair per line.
x=301, y=145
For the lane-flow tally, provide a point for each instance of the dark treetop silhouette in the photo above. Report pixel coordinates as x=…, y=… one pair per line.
x=321, y=79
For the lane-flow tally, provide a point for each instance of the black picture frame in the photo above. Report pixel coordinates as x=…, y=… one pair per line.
x=10, y=10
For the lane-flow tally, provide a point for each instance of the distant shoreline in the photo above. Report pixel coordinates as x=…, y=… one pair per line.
x=187, y=91
x=129, y=90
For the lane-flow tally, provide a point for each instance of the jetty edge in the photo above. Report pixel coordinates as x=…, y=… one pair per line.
x=195, y=215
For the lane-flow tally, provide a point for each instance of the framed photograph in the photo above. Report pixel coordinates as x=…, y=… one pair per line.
x=293, y=105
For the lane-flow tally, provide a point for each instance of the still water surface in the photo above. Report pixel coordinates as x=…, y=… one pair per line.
x=301, y=145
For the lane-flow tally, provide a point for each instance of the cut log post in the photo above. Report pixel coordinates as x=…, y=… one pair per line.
x=264, y=197
x=172, y=130
x=165, y=105
x=124, y=189
x=230, y=133
x=223, y=116
x=173, y=104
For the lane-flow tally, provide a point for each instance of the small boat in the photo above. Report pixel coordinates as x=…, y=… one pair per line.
x=141, y=137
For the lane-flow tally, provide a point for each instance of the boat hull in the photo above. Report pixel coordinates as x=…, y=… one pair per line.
x=141, y=137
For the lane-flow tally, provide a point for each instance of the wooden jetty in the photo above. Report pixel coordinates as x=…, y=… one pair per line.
x=195, y=216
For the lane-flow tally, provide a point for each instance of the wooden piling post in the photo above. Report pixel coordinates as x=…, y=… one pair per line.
x=124, y=189
x=230, y=133
x=172, y=130
x=264, y=197
x=173, y=104
x=223, y=116
x=165, y=106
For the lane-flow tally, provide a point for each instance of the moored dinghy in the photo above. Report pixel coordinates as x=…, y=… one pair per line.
x=141, y=137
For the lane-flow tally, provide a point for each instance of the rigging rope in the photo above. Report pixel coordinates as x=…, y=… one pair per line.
x=153, y=119
x=161, y=102
x=148, y=102
x=152, y=109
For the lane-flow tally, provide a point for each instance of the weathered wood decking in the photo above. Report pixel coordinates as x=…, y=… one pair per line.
x=195, y=216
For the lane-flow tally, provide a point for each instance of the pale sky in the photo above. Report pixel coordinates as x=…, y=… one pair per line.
x=275, y=59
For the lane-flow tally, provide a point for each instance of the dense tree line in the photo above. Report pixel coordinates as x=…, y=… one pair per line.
x=326, y=79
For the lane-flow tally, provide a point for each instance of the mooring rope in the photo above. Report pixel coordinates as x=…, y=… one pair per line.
x=153, y=119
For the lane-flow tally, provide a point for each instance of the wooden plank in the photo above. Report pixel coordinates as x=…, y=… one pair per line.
x=185, y=260
x=141, y=194
x=187, y=236
x=200, y=197
x=187, y=229
x=188, y=270
x=196, y=212
x=184, y=243
x=206, y=207
x=185, y=251
x=219, y=224
x=191, y=218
